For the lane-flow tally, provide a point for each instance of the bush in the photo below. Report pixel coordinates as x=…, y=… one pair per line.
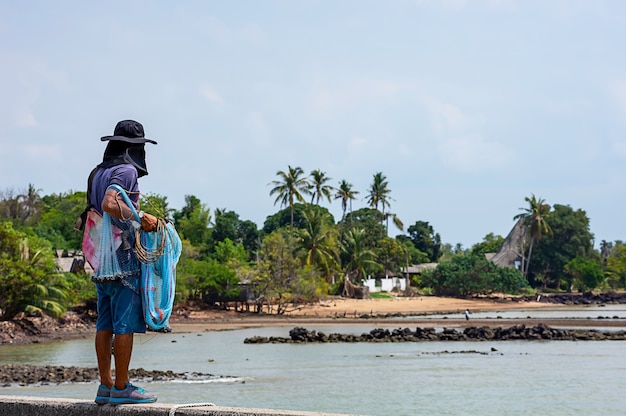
x=471, y=275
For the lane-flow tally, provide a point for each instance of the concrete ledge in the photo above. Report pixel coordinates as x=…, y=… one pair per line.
x=39, y=406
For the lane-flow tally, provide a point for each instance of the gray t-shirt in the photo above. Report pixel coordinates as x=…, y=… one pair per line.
x=123, y=175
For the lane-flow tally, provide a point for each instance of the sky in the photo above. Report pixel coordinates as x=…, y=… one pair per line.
x=466, y=106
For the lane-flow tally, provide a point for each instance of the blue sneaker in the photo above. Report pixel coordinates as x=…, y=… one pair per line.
x=103, y=394
x=131, y=395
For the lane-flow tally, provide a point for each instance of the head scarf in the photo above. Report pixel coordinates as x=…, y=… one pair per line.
x=119, y=152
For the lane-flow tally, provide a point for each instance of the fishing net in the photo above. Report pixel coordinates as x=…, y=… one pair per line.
x=155, y=255
x=158, y=253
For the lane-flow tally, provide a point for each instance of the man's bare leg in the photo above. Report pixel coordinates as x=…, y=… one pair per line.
x=104, y=340
x=123, y=347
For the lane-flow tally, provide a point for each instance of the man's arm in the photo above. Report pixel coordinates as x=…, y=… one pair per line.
x=115, y=206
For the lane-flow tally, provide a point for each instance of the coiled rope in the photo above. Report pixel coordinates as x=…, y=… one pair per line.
x=148, y=256
x=174, y=408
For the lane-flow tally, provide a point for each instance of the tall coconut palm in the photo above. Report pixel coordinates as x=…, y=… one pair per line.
x=396, y=221
x=318, y=241
x=29, y=202
x=605, y=250
x=290, y=186
x=535, y=218
x=346, y=194
x=360, y=258
x=318, y=187
x=379, y=193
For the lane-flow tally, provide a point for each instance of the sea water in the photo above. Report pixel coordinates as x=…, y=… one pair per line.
x=423, y=378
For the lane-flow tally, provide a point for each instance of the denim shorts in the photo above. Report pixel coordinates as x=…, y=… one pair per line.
x=120, y=308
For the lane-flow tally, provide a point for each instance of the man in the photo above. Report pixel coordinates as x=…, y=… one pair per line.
x=120, y=312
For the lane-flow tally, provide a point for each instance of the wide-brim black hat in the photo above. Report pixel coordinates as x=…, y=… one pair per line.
x=129, y=131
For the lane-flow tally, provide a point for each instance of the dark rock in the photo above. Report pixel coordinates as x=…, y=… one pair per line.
x=517, y=332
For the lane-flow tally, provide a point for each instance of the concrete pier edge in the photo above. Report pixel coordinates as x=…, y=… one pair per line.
x=43, y=406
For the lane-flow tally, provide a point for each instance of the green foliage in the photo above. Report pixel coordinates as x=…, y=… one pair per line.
x=536, y=220
x=283, y=217
x=379, y=192
x=616, y=267
x=491, y=244
x=584, y=274
x=317, y=242
x=358, y=259
x=366, y=219
x=229, y=226
x=570, y=238
x=381, y=295
x=346, y=194
x=392, y=254
x=318, y=187
x=278, y=275
x=296, y=264
x=225, y=226
x=425, y=240
x=156, y=205
x=471, y=275
x=289, y=188
x=415, y=255
x=58, y=219
x=80, y=288
x=29, y=281
x=230, y=254
x=22, y=208
x=207, y=278
x=193, y=223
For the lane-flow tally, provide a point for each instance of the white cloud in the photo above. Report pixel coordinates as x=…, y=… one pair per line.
x=326, y=101
x=472, y=153
x=23, y=117
x=209, y=93
x=446, y=116
x=37, y=152
x=357, y=143
x=22, y=78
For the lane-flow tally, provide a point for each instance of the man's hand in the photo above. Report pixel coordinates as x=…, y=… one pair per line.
x=148, y=222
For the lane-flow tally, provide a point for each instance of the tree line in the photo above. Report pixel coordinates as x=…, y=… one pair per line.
x=302, y=252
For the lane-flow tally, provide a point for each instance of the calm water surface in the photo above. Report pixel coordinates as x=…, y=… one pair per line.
x=442, y=378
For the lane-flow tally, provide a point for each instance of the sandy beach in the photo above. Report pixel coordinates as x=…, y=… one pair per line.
x=379, y=312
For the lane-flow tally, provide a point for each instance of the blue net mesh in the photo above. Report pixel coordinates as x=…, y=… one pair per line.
x=160, y=251
x=118, y=259
x=158, y=277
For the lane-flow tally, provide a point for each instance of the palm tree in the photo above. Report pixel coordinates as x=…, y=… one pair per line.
x=29, y=202
x=396, y=221
x=605, y=250
x=535, y=219
x=318, y=187
x=359, y=257
x=346, y=194
x=317, y=240
x=290, y=186
x=379, y=193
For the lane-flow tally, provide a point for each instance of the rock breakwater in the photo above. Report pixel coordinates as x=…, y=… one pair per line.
x=473, y=333
x=587, y=298
x=32, y=375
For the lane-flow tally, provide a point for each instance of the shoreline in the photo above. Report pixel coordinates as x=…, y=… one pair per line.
x=384, y=312
x=395, y=312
